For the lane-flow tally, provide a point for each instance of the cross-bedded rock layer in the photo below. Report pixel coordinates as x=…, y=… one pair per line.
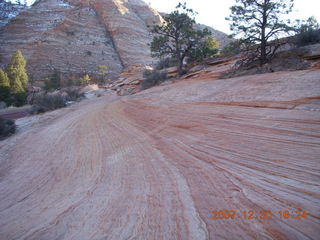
x=78, y=36
x=155, y=164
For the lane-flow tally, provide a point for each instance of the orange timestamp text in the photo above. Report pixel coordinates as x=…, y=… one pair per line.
x=258, y=215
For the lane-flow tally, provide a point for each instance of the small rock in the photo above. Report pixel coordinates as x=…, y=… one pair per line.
x=3, y=105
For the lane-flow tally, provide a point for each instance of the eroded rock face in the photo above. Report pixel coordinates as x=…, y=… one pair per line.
x=155, y=165
x=8, y=11
x=78, y=36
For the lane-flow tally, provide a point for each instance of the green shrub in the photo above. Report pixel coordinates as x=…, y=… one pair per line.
x=205, y=49
x=308, y=37
x=232, y=48
x=73, y=94
x=53, y=82
x=308, y=32
x=19, y=99
x=7, y=127
x=153, y=78
x=103, y=71
x=49, y=101
x=5, y=95
x=85, y=80
x=166, y=63
x=73, y=81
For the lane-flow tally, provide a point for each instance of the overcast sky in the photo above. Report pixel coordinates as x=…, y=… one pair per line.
x=213, y=12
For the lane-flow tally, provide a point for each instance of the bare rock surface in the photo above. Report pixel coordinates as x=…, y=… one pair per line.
x=75, y=36
x=9, y=10
x=155, y=164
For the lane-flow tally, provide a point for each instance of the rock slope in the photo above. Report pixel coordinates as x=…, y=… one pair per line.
x=8, y=11
x=78, y=36
x=155, y=164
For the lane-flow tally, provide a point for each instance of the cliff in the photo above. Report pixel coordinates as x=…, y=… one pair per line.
x=8, y=11
x=77, y=36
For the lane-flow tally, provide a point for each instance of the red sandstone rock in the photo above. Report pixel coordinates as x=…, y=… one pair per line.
x=77, y=36
x=155, y=164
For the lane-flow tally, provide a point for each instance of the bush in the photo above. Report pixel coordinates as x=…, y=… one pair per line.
x=308, y=32
x=232, y=48
x=308, y=37
x=7, y=127
x=85, y=80
x=19, y=99
x=166, y=63
x=153, y=78
x=73, y=81
x=15, y=99
x=5, y=95
x=73, y=94
x=47, y=102
x=53, y=82
x=205, y=49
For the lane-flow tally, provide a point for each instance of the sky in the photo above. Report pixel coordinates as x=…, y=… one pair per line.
x=213, y=12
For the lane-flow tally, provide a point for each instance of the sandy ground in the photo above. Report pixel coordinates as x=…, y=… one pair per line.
x=155, y=165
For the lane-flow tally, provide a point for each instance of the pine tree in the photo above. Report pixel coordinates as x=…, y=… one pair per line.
x=4, y=87
x=4, y=80
x=258, y=22
x=177, y=36
x=17, y=74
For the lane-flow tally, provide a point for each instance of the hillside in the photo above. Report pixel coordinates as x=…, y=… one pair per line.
x=155, y=164
x=221, y=152
x=8, y=11
x=76, y=37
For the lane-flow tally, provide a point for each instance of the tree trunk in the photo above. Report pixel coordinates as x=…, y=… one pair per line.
x=263, y=44
x=180, y=67
x=263, y=54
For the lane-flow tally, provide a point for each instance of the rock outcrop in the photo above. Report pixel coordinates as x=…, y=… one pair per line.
x=78, y=36
x=8, y=11
x=159, y=164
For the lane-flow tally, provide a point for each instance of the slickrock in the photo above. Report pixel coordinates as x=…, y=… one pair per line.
x=155, y=164
x=78, y=36
x=8, y=11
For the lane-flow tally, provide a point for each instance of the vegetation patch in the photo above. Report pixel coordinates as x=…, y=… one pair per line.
x=282, y=61
x=179, y=39
x=153, y=78
x=7, y=127
x=13, y=81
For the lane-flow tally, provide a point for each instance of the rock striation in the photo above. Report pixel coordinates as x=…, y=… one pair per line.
x=154, y=165
x=77, y=36
x=8, y=11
